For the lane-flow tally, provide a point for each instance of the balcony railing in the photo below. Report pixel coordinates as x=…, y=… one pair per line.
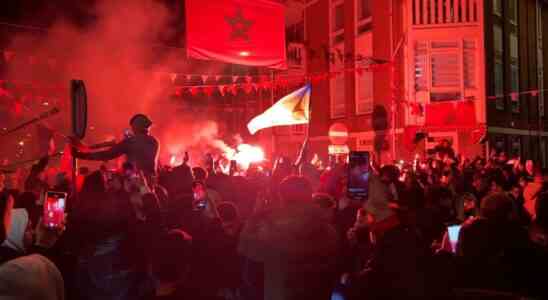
x=430, y=13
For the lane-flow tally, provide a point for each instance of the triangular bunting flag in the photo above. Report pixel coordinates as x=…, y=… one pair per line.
x=234, y=89
x=248, y=88
x=8, y=55
x=235, y=78
x=173, y=77
x=221, y=88
x=194, y=91
x=514, y=96
x=534, y=93
x=204, y=78
x=178, y=91
x=208, y=90
x=248, y=79
x=217, y=78
x=188, y=78
x=255, y=86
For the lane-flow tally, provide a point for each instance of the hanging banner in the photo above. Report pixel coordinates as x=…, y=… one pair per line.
x=244, y=32
x=451, y=114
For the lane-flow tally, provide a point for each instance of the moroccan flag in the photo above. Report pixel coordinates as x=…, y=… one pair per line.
x=244, y=32
x=293, y=109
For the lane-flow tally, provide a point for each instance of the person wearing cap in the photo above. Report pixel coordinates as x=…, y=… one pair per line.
x=141, y=149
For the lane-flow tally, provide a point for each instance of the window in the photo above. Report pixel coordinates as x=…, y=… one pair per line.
x=498, y=38
x=498, y=68
x=469, y=64
x=337, y=21
x=513, y=11
x=337, y=87
x=446, y=75
x=514, y=71
x=421, y=51
x=338, y=18
x=543, y=152
x=497, y=7
x=364, y=9
x=516, y=147
x=514, y=51
x=364, y=101
x=540, y=62
x=445, y=69
x=499, y=84
x=338, y=99
x=363, y=15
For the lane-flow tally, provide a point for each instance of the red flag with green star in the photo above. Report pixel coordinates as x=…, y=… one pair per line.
x=244, y=32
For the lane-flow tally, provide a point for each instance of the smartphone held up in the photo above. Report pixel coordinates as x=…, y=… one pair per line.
x=358, y=175
x=54, y=209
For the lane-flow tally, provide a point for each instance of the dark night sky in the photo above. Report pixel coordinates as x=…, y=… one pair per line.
x=44, y=13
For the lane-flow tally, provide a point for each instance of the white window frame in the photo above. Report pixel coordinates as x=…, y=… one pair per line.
x=361, y=22
x=366, y=101
x=497, y=7
x=460, y=51
x=542, y=147
x=540, y=61
x=335, y=109
x=500, y=102
x=333, y=4
x=514, y=71
x=513, y=15
x=338, y=66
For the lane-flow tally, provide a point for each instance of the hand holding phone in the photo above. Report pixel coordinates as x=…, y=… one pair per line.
x=359, y=170
x=54, y=210
x=453, y=234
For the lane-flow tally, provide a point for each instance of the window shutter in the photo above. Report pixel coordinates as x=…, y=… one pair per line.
x=421, y=50
x=445, y=70
x=469, y=64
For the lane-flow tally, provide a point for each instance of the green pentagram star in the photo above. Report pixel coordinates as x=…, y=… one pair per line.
x=240, y=25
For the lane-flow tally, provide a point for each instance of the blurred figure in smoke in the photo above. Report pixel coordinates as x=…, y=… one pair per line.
x=141, y=149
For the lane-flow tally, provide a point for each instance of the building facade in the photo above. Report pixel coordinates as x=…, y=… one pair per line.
x=460, y=70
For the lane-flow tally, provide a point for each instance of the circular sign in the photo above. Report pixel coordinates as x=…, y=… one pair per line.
x=338, y=134
x=79, y=102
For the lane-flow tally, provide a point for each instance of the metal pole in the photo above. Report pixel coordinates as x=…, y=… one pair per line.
x=392, y=83
x=272, y=103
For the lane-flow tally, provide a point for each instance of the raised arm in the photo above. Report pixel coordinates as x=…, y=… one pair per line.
x=112, y=153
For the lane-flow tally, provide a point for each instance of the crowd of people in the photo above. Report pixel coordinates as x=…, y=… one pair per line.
x=286, y=233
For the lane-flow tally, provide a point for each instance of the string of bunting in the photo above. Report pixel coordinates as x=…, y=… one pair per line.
x=247, y=83
x=515, y=95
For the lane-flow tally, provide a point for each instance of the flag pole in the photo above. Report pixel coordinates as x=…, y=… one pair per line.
x=304, y=147
x=273, y=141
